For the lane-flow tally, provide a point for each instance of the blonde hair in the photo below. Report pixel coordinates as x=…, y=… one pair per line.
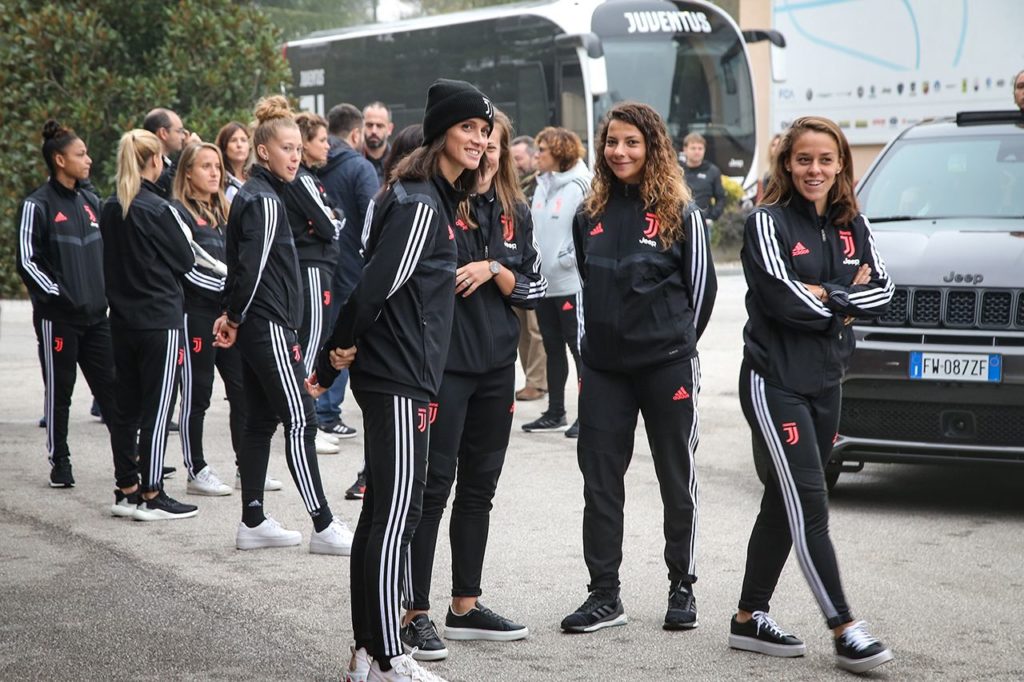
x=215, y=210
x=272, y=115
x=134, y=151
x=662, y=188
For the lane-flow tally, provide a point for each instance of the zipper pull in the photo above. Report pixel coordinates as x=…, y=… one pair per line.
x=823, y=239
x=486, y=252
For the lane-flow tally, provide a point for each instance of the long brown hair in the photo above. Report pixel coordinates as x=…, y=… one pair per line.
x=780, y=185
x=505, y=180
x=223, y=138
x=424, y=163
x=214, y=211
x=662, y=188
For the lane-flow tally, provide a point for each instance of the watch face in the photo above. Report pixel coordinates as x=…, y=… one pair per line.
x=495, y=267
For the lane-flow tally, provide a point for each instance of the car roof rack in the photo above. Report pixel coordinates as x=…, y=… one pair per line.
x=982, y=117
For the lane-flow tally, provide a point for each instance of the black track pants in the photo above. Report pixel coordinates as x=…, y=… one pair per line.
x=559, y=319
x=147, y=363
x=468, y=441
x=797, y=432
x=609, y=405
x=272, y=377
x=396, y=430
x=197, y=386
x=63, y=348
x=316, y=306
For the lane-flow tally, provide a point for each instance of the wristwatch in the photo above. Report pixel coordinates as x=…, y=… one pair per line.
x=494, y=267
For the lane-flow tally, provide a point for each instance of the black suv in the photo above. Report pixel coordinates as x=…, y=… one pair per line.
x=940, y=377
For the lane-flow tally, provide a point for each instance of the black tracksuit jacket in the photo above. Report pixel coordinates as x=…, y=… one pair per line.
x=791, y=338
x=400, y=314
x=144, y=259
x=263, y=268
x=203, y=288
x=485, y=330
x=643, y=306
x=314, y=226
x=705, y=182
x=60, y=254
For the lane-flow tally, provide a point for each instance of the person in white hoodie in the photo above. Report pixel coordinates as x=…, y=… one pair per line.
x=563, y=182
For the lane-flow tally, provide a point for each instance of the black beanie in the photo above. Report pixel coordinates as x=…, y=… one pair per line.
x=450, y=101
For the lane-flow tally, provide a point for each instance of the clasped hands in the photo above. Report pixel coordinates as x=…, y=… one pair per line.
x=341, y=358
x=862, y=276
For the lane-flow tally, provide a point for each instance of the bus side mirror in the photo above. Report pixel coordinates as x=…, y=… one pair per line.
x=591, y=54
x=778, y=44
x=588, y=41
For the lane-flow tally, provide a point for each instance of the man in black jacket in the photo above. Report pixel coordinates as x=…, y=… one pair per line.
x=377, y=128
x=169, y=129
x=704, y=179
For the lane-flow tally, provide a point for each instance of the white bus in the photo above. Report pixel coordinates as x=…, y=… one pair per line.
x=561, y=63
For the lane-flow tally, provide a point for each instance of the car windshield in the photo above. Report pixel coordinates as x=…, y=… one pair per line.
x=979, y=176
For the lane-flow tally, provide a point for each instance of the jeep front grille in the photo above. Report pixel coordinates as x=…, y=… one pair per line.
x=955, y=308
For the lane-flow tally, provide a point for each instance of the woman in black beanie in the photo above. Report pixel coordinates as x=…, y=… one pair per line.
x=400, y=317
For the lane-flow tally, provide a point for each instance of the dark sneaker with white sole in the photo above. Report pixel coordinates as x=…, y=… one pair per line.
x=124, y=504
x=357, y=490
x=482, y=623
x=61, y=476
x=162, y=508
x=546, y=422
x=762, y=635
x=682, y=607
x=421, y=640
x=602, y=609
x=339, y=430
x=858, y=651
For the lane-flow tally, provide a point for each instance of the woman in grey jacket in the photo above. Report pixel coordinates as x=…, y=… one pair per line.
x=564, y=181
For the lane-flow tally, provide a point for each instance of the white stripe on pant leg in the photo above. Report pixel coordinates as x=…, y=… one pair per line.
x=691, y=451
x=158, y=441
x=185, y=414
x=408, y=588
x=285, y=374
x=791, y=496
x=579, y=322
x=391, y=548
x=312, y=342
x=48, y=397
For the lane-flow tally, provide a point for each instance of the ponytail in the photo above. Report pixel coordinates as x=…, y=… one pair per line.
x=134, y=151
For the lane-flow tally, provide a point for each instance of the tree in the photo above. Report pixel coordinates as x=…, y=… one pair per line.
x=297, y=18
x=100, y=65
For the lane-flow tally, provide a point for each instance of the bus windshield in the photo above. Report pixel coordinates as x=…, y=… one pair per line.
x=698, y=81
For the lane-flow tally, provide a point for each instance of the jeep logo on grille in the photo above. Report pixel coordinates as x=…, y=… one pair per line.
x=965, y=278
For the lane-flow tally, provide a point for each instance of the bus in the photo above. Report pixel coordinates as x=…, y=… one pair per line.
x=557, y=62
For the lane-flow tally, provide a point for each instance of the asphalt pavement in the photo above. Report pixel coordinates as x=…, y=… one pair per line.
x=932, y=557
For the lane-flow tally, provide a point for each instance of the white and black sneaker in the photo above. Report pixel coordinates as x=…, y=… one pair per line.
x=421, y=640
x=482, y=623
x=682, y=607
x=602, y=609
x=124, y=504
x=163, y=508
x=339, y=430
x=858, y=651
x=763, y=635
x=546, y=422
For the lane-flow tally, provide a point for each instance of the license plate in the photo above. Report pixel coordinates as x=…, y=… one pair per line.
x=956, y=367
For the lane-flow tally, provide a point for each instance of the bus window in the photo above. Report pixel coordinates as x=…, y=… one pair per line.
x=532, y=101
x=573, y=101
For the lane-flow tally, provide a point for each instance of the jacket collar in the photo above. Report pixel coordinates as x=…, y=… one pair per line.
x=259, y=171
x=61, y=190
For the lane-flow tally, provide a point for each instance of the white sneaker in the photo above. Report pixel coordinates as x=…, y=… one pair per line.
x=267, y=534
x=329, y=437
x=403, y=669
x=325, y=446
x=334, y=539
x=358, y=665
x=268, y=484
x=207, y=483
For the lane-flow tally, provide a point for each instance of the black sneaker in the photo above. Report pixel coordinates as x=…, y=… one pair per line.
x=482, y=623
x=95, y=409
x=763, y=635
x=357, y=489
x=163, y=507
x=168, y=472
x=574, y=430
x=339, y=430
x=421, y=640
x=682, y=607
x=42, y=422
x=125, y=504
x=602, y=609
x=858, y=651
x=172, y=426
x=60, y=474
x=547, y=422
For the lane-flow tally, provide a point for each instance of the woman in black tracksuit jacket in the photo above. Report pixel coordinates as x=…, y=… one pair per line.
x=498, y=268
x=315, y=229
x=396, y=326
x=263, y=309
x=60, y=259
x=198, y=189
x=146, y=251
x=811, y=268
x=648, y=290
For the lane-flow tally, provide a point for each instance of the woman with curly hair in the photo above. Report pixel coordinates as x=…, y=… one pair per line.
x=648, y=290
